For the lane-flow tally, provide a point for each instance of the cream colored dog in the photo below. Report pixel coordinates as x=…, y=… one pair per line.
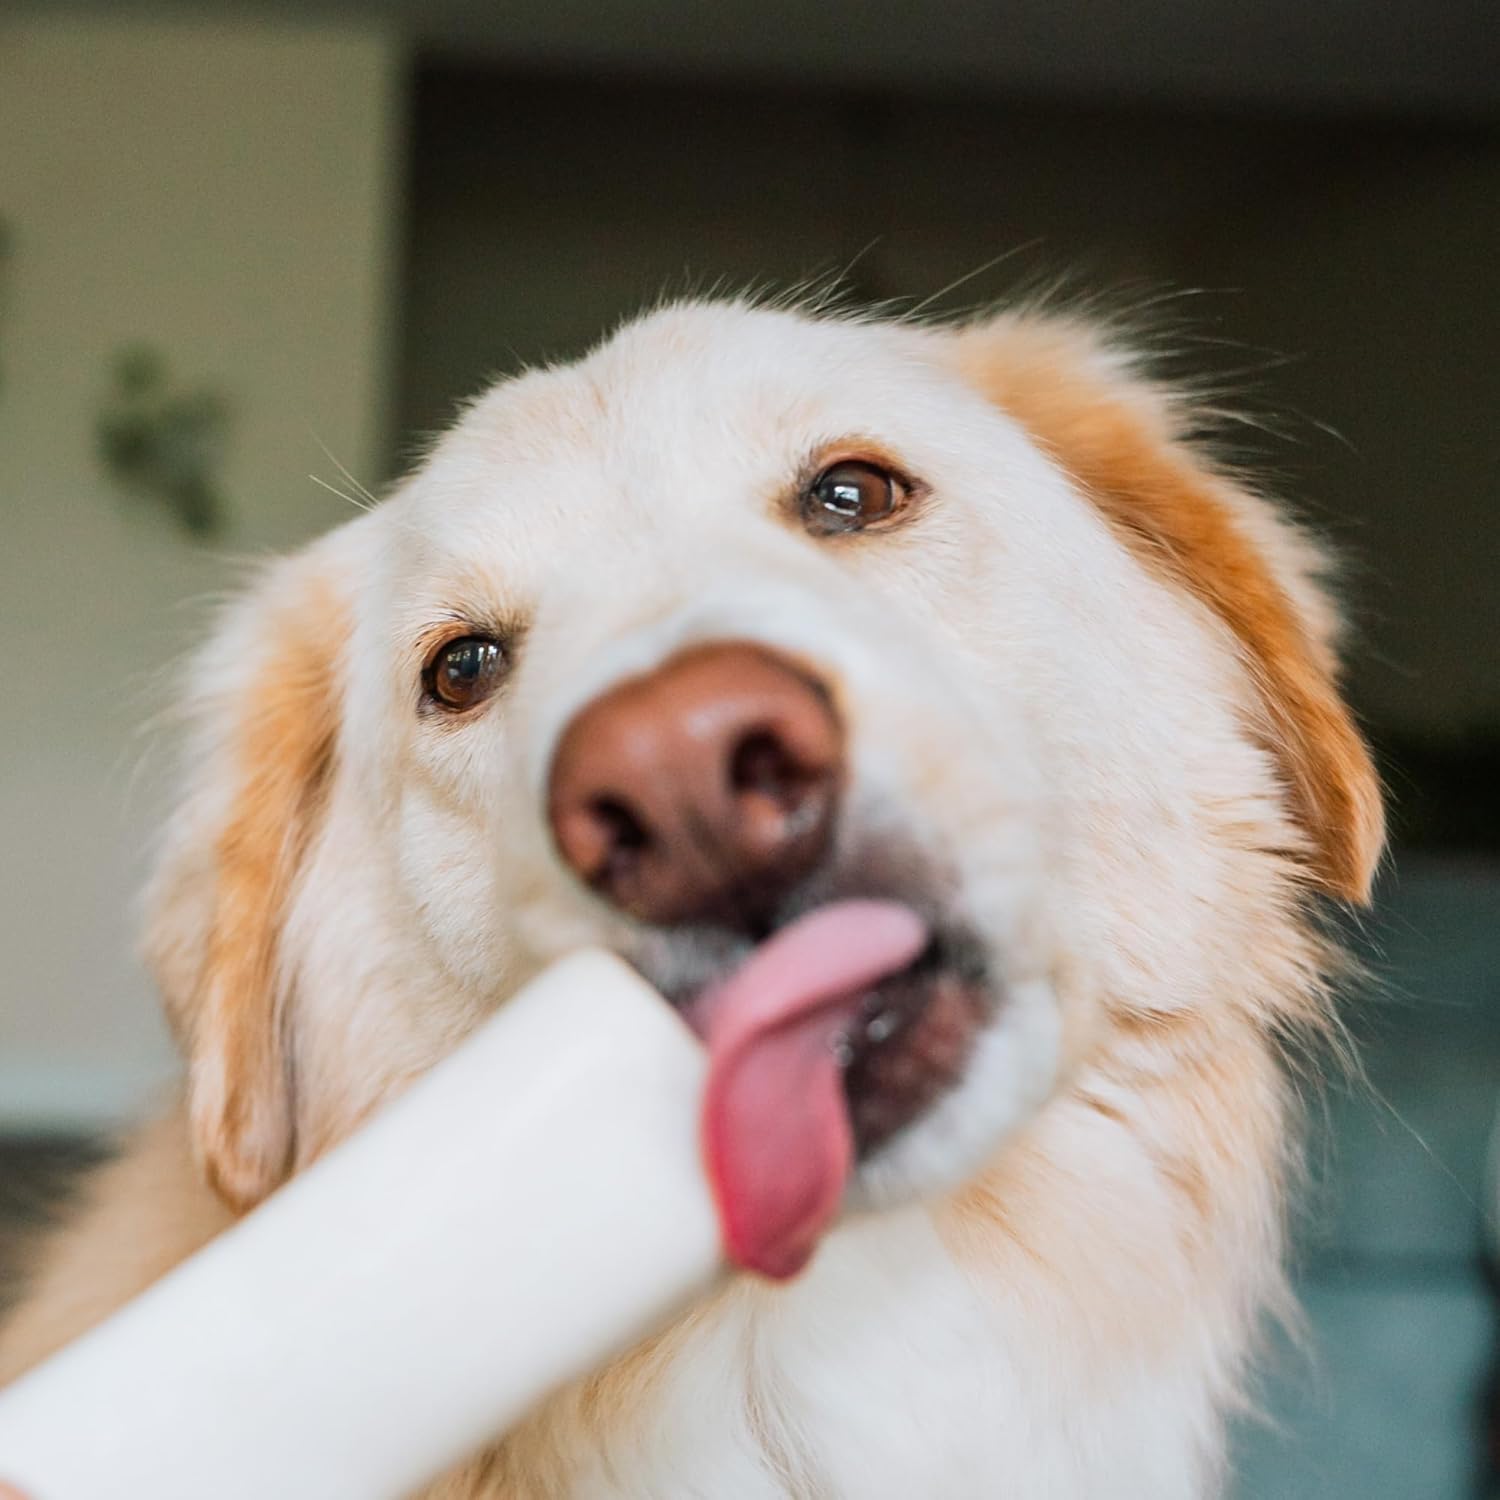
x=746, y=616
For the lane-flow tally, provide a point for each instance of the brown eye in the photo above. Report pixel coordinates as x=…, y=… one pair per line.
x=465, y=672
x=851, y=496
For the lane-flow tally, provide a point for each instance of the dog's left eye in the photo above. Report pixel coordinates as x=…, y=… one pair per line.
x=850, y=496
x=463, y=673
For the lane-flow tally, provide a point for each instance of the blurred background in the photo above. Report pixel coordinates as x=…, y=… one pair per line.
x=251, y=252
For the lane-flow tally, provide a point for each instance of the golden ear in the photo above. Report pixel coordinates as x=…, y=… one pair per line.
x=267, y=711
x=1121, y=439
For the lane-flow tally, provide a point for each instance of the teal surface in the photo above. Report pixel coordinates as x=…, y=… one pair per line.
x=1383, y=1402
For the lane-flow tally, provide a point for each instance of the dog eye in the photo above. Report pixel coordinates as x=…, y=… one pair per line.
x=463, y=673
x=851, y=496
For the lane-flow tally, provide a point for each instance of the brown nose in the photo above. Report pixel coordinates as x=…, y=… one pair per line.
x=702, y=790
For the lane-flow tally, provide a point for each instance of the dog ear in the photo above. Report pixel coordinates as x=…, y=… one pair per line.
x=1125, y=441
x=264, y=703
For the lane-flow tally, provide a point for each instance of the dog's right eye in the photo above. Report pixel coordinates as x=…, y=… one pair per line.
x=463, y=673
x=852, y=496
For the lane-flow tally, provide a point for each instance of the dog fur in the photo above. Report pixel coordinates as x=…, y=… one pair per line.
x=1090, y=684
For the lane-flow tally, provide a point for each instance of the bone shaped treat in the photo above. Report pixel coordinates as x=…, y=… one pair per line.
x=532, y=1206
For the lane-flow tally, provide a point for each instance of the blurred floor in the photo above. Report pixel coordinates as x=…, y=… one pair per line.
x=1382, y=1404
x=36, y=1175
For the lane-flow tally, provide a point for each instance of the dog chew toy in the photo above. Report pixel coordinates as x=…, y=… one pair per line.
x=533, y=1205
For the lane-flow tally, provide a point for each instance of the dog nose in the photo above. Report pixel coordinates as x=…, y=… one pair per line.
x=703, y=790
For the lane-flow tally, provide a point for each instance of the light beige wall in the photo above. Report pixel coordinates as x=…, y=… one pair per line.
x=228, y=194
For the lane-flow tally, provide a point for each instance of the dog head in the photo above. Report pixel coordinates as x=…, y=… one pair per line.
x=746, y=617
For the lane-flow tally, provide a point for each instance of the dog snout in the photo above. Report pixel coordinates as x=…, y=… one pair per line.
x=703, y=790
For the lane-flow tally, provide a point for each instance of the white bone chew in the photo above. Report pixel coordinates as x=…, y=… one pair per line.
x=533, y=1205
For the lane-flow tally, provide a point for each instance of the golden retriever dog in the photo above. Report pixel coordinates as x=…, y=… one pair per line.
x=755, y=618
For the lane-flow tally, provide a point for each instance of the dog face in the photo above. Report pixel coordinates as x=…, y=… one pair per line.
x=746, y=615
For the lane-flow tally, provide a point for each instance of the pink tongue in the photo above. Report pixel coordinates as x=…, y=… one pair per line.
x=776, y=1134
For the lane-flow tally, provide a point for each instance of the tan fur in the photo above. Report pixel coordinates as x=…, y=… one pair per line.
x=1119, y=438
x=226, y=997
x=1206, y=1118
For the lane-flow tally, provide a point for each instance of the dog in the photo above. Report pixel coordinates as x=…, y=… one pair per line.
x=754, y=614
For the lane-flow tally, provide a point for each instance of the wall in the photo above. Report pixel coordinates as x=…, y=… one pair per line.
x=228, y=194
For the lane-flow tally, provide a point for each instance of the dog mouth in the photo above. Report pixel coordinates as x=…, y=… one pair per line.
x=912, y=1039
x=827, y=1039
